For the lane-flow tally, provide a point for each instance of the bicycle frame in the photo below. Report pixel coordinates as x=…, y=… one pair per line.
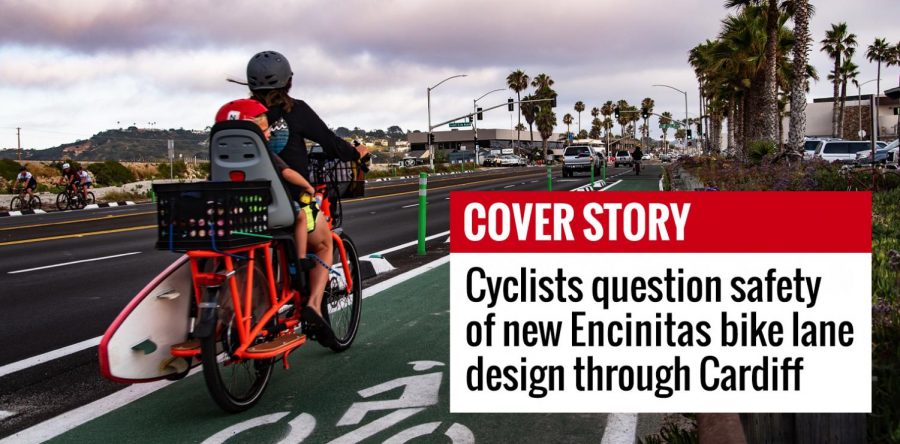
x=243, y=299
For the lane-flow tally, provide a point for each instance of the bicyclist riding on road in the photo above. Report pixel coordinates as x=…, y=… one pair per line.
x=84, y=178
x=637, y=155
x=29, y=183
x=70, y=178
x=269, y=78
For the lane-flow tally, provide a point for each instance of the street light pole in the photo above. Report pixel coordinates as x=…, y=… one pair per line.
x=685, y=111
x=428, y=141
x=475, y=118
x=859, y=104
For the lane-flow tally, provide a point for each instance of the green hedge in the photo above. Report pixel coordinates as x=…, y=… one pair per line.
x=110, y=173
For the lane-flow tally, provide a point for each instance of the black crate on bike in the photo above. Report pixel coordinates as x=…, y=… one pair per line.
x=346, y=179
x=210, y=215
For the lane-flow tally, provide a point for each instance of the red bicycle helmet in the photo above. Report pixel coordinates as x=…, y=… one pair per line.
x=241, y=109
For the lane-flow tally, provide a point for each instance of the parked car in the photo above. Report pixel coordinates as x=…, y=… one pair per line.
x=579, y=158
x=624, y=158
x=510, y=160
x=865, y=157
x=893, y=155
x=647, y=156
x=489, y=160
x=843, y=151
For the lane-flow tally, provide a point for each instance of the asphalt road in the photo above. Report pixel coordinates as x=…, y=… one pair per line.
x=47, y=306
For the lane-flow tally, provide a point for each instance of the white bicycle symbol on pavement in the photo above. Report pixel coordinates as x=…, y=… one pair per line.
x=419, y=392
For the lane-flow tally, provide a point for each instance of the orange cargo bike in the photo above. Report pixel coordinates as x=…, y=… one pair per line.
x=232, y=302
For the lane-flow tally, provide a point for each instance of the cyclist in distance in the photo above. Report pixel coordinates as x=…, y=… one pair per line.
x=269, y=77
x=27, y=180
x=84, y=178
x=637, y=155
x=70, y=178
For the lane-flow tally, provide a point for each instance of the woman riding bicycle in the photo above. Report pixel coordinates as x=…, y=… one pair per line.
x=269, y=78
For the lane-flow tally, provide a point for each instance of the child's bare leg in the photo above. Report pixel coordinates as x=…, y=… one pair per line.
x=300, y=235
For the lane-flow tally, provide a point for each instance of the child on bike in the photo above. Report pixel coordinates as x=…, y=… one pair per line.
x=27, y=180
x=249, y=109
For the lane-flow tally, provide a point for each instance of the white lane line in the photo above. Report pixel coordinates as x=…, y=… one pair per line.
x=6, y=414
x=402, y=246
x=74, y=262
x=533, y=181
x=611, y=185
x=508, y=186
x=620, y=428
x=410, y=206
x=49, y=356
x=58, y=425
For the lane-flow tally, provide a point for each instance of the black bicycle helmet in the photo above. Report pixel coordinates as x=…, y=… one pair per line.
x=268, y=70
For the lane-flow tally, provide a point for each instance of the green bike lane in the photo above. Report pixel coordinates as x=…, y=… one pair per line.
x=393, y=382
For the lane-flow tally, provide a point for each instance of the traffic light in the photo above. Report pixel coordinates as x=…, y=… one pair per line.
x=470, y=119
x=509, y=104
x=480, y=116
x=616, y=111
x=690, y=136
x=431, y=138
x=553, y=102
x=645, y=113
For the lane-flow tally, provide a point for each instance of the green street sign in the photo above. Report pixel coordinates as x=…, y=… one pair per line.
x=669, y=125
x=460, y=124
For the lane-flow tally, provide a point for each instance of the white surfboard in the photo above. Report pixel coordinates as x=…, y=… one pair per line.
x=135, y=348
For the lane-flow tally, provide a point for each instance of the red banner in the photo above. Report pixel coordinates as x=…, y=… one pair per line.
x=661, y=222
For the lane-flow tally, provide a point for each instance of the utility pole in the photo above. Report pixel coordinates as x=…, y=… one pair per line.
x=19, y=142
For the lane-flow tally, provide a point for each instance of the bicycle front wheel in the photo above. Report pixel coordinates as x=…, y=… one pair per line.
x=90, y=198
x=15, y=204
x=62, y=201
x=235, y=384
x=341, y=308
x=36, y=203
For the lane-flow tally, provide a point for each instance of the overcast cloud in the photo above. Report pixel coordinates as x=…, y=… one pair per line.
x=71, y=69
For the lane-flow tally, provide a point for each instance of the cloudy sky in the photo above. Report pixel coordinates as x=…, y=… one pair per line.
x=70, y=69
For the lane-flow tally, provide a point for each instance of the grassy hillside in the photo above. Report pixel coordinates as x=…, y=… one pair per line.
x=132, y=144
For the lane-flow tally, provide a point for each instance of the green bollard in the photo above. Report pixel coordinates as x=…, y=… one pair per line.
x=549, y=178
x=423, y=201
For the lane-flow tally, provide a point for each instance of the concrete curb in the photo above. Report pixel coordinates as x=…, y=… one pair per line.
x=374, y=265
x=597, y=185
x=21, y=213
x=109, y=204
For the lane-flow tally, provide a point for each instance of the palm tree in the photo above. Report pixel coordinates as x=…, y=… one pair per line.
x=879, y=51
x=647, y=103
x=579, y=107
x=596, y=126
x=518, y=82
x=528, y=111
x=542, y=81
x=894, y=60
x=546, y=121
x=769, y=95
x=567, y=119
x=623, y=118
x=848, y=71
x=839, y=43
x=801, y=13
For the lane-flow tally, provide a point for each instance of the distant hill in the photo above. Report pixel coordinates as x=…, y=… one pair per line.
x=132, y=144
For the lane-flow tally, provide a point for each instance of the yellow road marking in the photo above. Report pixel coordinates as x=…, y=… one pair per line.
x=69, y=236
x=439, y=188
x=77, y=221
x=146, y=227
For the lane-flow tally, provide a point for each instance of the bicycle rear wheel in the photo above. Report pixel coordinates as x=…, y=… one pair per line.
x=341, y=308
x=234, y=384
x=15, y=204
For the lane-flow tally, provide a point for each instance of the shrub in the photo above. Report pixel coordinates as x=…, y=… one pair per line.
x=178, y=169
x=111, y=173
x=58, y=165
x=9, y=169
x=760, y=149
